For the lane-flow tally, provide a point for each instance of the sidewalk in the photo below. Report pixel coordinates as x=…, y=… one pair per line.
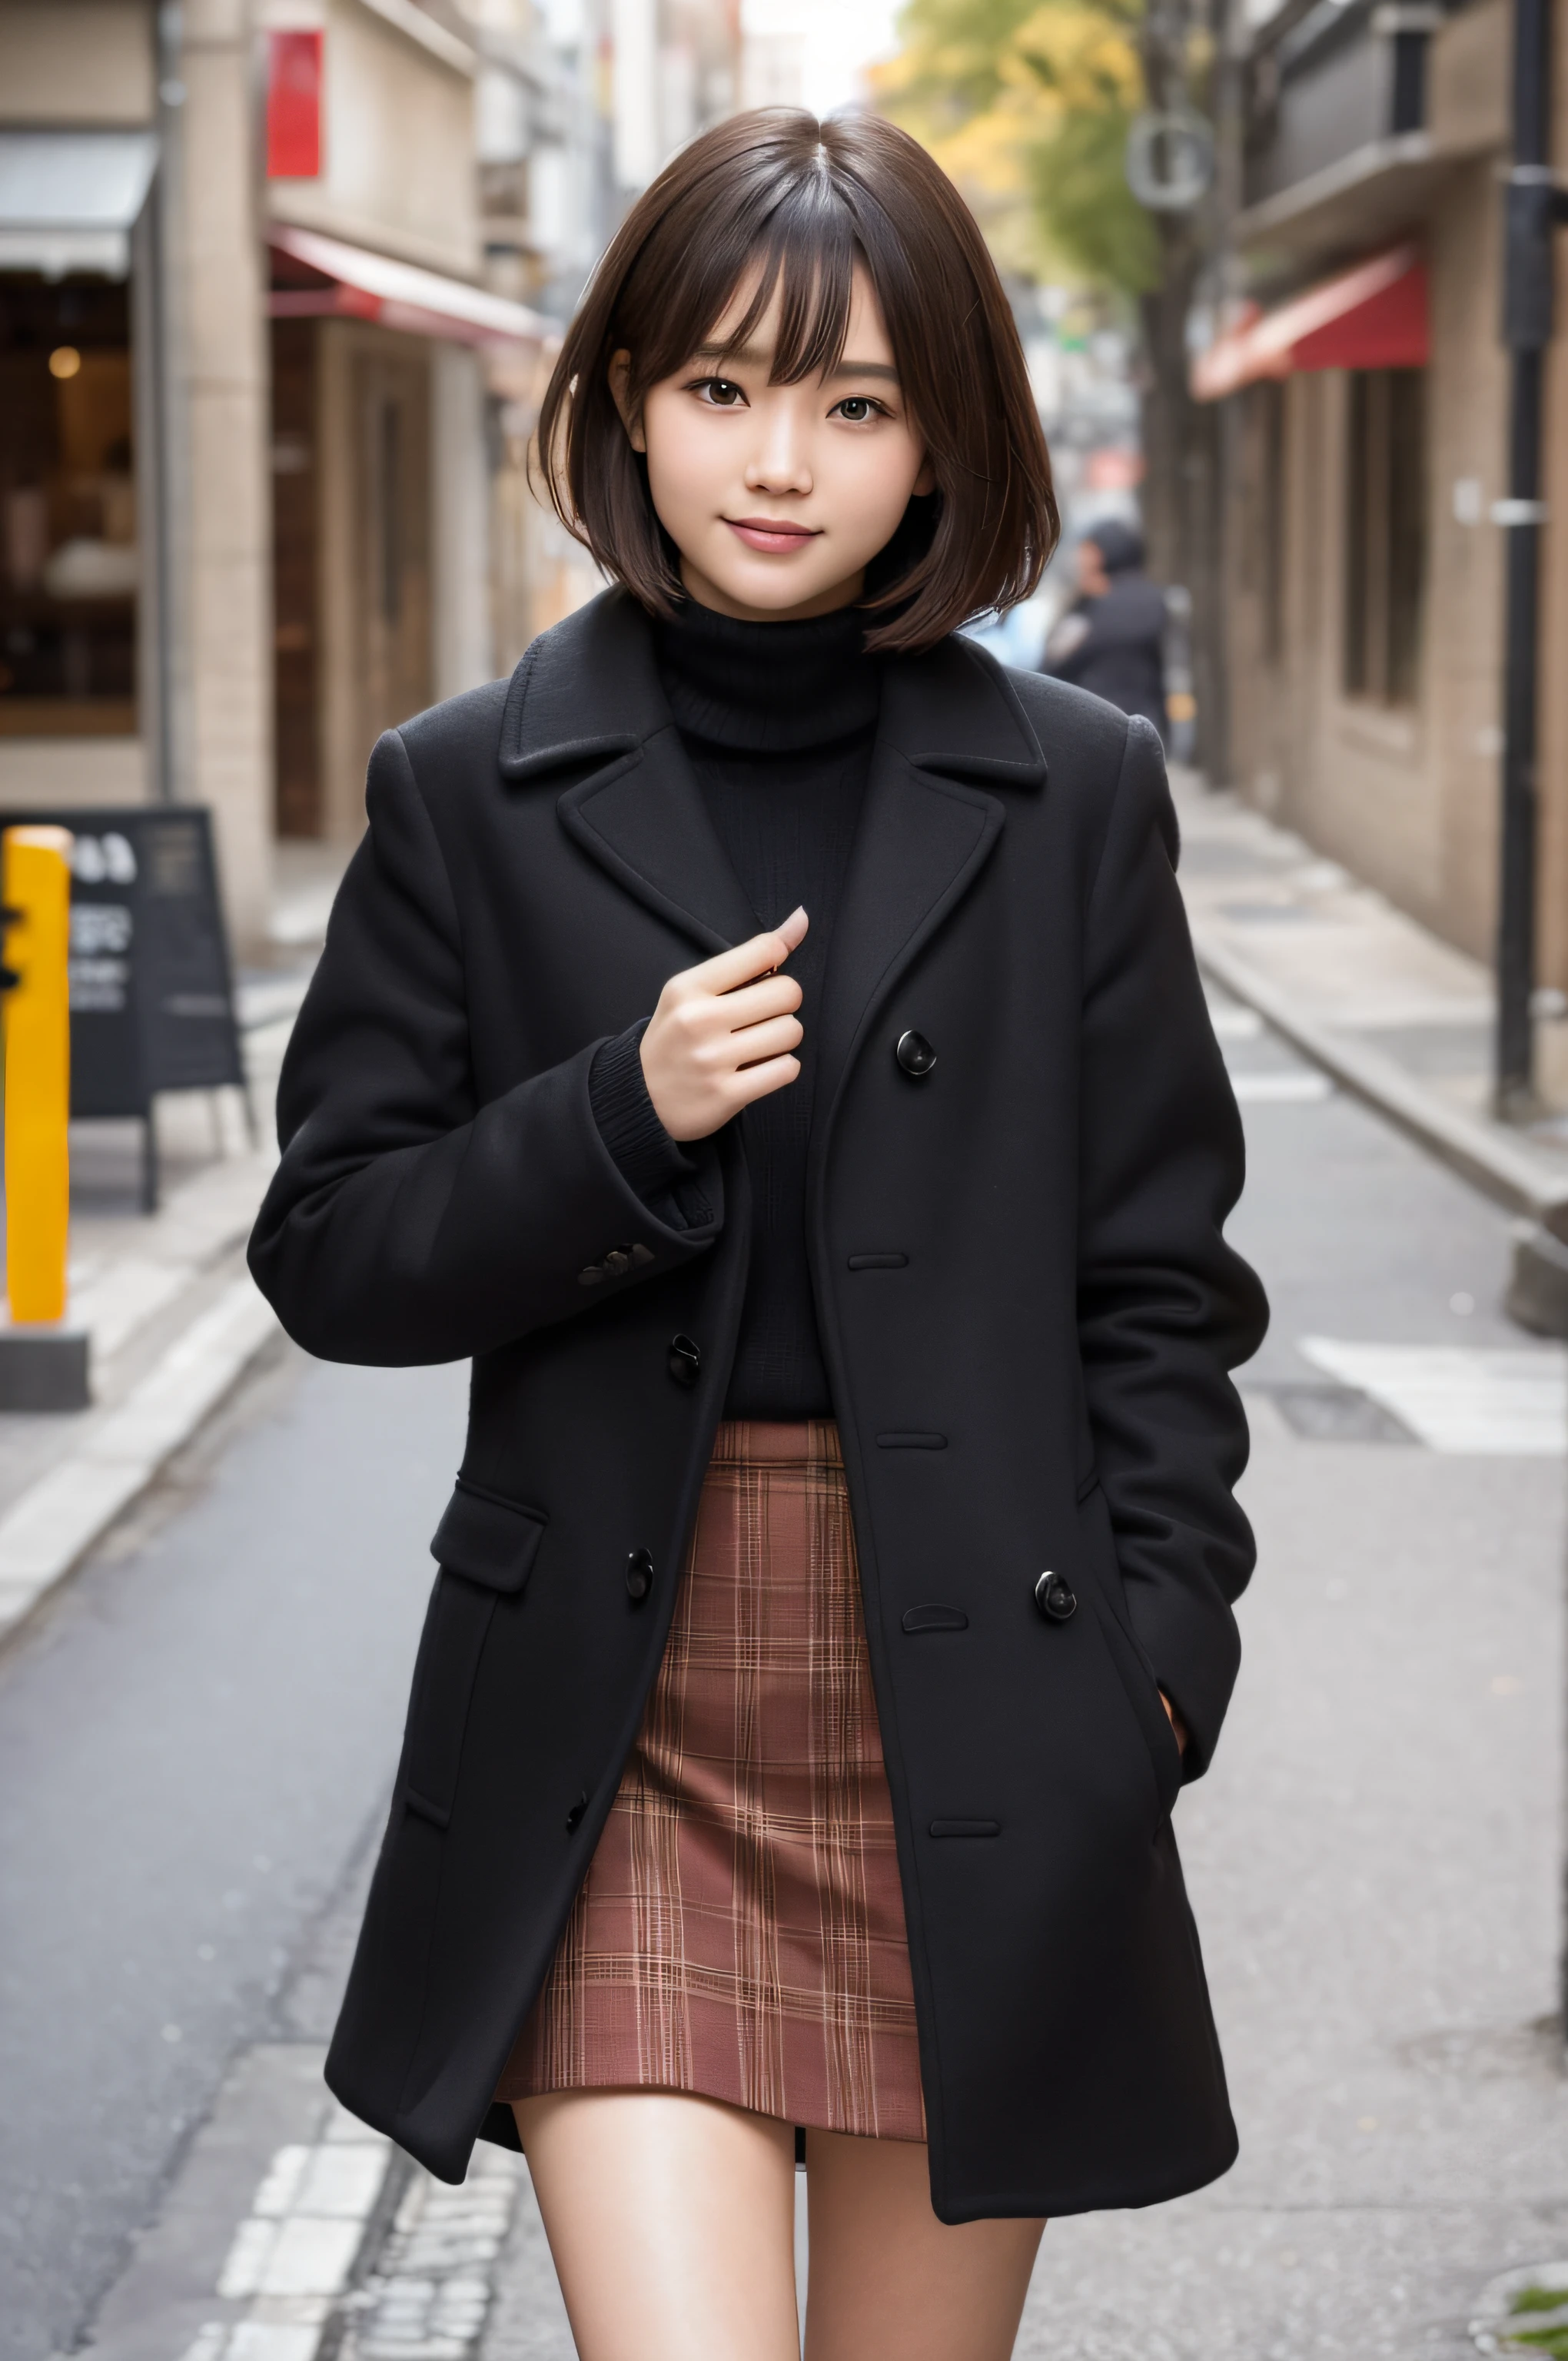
x=173, y=1316
x=1397, y=1018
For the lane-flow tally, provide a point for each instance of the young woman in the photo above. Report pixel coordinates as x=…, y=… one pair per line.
x=764, y=1035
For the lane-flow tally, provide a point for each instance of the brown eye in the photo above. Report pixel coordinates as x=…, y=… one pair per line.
x=857, y=408
x=722, y=392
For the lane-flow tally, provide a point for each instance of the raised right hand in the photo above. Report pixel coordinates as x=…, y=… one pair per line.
x=725, y=1033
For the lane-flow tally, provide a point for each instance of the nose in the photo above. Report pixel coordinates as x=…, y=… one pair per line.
x=779, y=462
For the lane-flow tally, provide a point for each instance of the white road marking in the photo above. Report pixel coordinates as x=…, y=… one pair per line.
x=1236, y=1023
x=291, y=2259
x=1478, y=1402
x=1297, y=1086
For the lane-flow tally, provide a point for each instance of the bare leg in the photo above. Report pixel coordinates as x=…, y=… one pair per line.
x=672, y=2223
x=889, y=2282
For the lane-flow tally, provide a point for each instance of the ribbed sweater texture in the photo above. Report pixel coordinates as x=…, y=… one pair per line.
x=778, y=721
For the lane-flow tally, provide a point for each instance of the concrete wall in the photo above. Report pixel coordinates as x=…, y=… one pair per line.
x=1465, y=621
x=222, y=533
x=80, y=61
x=1404, y=797
x=461, y=650
x=398, y=167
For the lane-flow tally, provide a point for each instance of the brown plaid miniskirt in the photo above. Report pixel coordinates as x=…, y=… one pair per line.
x=741, y=1932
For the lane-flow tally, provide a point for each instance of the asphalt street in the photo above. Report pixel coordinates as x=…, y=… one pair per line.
x=196, y=1744
x=193, y=1747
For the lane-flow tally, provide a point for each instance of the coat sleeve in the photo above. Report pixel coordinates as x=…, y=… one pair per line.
x=407, y=1223
x=1164, y=1309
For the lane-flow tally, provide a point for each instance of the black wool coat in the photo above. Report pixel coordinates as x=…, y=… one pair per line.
x=1027, y=1312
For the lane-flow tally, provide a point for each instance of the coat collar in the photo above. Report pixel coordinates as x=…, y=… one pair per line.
x=587, y=699
x=588, y=692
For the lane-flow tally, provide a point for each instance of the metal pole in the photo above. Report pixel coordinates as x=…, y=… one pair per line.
x=1526, y=332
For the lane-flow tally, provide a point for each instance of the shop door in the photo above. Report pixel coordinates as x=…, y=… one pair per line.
x=392, y=412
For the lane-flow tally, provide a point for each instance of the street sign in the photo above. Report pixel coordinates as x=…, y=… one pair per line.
x=151, y=988
x=1171, y=158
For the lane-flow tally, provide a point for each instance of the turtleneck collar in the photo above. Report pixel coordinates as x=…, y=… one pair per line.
x=768, y=688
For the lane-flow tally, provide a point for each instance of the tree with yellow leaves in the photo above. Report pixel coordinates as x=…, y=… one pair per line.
x=1028, y=104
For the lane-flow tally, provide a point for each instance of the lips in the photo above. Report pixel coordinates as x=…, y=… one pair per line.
x=770, y=535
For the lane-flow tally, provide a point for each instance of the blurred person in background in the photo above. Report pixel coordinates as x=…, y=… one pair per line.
x=1111, y=640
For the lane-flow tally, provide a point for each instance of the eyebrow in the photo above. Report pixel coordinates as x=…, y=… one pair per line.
x=752, y=356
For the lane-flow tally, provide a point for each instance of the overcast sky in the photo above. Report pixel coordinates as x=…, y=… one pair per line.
x=841, y=37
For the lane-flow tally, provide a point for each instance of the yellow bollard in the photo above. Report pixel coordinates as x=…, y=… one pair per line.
x=36, y=890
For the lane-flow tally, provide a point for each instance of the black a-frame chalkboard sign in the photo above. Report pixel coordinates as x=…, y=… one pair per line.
x=151, y=985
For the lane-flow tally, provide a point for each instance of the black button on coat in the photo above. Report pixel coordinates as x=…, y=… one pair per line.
x=1022, y=1258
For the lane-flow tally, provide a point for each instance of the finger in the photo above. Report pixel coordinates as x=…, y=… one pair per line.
x=759, y=956
x=753, y=1003
x=779, y=1036
x=760, y=1082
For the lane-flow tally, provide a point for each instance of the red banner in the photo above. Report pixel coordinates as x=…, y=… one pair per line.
x=293, y=106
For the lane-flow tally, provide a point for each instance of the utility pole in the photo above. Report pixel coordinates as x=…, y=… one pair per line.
x=1533, y=205
x=1170, y=169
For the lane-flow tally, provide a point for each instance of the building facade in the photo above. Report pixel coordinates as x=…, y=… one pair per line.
x=1366, y=390
x=279, y=282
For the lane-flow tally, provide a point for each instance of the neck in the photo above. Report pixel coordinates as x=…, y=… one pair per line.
x=702, y=588
x=783, y=685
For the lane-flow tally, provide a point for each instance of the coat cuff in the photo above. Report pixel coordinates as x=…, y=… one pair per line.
x=647, y=1159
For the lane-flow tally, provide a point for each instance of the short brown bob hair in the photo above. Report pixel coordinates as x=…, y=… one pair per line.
x=802, y=201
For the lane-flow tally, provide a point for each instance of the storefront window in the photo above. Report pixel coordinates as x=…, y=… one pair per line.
x=68, y=520
x=1385, y=533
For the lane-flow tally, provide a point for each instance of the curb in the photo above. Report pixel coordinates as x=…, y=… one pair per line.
x=56, y=1521
x=1491, y=1161
x=1538, y=1284
x=1537, y=1294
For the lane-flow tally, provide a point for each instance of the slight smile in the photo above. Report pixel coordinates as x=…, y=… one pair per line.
x=768, y=534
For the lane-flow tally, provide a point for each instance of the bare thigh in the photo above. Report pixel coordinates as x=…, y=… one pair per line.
x=889, y=2282
x=671, y=2220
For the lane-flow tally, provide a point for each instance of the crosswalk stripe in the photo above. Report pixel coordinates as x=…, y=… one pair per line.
x=1506, y=1403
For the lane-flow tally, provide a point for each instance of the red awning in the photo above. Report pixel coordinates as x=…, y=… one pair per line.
x=1372, y=317
x=361, y=285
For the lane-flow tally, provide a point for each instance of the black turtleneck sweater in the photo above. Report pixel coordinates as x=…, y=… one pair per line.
x=778, y=721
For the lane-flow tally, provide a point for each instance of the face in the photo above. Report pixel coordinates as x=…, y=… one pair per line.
x=1092, y=579
x=778, y=496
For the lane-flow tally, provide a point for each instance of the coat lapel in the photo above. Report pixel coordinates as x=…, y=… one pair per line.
x=588, y=699
x=643, y=821
x=950, y=727
x=586, y=706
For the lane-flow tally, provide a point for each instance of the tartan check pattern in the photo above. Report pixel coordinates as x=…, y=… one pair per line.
x=740, y=1933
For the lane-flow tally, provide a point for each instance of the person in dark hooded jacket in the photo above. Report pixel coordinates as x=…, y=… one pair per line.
x=1111, y=640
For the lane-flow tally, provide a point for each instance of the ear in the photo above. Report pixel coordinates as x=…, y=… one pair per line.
x=620, y=386
x=924, y=482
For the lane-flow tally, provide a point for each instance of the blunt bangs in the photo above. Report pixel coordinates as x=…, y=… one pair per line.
x=780, y=203
x=800, y=244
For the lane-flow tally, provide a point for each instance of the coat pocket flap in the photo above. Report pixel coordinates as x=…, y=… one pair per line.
x=488, y=1540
